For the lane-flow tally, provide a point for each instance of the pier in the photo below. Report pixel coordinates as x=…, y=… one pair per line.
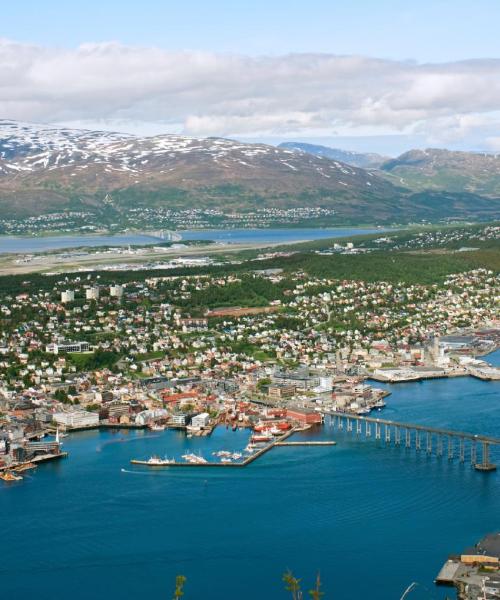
x=249, y=459
x=323, y=443
x=432, y=440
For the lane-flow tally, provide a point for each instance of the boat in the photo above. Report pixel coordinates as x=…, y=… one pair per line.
x=156, y=427
x=276, y=430
x=194, y=458
x=363, y=411
x=9, y=476
x=380, y=404
x=225, y=460
x=157, y=461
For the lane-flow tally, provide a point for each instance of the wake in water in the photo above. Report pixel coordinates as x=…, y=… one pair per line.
x=125, y=441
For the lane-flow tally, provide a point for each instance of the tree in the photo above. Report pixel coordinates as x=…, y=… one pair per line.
x=292, y=584
x=316, y=593
x=180, y=580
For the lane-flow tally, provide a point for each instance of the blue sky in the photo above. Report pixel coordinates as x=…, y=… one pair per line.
x=428, y=30
x=219, y=67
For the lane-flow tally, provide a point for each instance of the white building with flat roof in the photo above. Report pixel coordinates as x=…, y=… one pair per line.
x=76, y=418
x=92, y=293
x=200, y=420
x=67, y=296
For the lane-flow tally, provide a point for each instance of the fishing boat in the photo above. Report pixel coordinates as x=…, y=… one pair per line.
x=9, y=476
x=154, y=461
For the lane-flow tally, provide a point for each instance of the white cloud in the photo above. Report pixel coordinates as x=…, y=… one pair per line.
x=201, y=93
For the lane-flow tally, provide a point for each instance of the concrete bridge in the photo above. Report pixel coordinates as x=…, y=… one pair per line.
x=434, y=441
x=165, y=235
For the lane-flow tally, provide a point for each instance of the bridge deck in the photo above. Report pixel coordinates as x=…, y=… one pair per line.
x=426, y=428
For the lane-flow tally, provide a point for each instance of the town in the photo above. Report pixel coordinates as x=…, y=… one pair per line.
x=267, y=350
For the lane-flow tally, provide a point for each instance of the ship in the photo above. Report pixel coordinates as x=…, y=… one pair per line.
x=154, y=461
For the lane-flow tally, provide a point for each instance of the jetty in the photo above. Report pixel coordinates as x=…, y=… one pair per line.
x=435, y=441
x=319, y=443
x=244, y=463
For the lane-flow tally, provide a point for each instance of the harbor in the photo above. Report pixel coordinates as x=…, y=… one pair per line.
x=359, y=493
x=276, y=443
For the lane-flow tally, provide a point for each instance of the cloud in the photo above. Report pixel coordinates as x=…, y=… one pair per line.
x=201, y=93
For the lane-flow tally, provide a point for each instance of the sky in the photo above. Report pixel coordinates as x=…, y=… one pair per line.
x=368, y=75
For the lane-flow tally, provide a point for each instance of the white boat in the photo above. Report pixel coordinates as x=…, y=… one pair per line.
x=276, y=430
x=156, y=460
x=380, y=404
x=194, y=458
x=156, y=427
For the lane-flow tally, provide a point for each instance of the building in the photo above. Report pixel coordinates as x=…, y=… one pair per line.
x=200, y=421
x=179, y=419
x=68, y=347
x=67, y=296
x=92, y=293
x=300, y=378
x=116, y=291
x=280, y=390
x=303, y=415
x=77, y=418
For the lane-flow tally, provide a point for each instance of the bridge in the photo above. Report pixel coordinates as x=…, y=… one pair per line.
x=433, y=440
x=165, y=235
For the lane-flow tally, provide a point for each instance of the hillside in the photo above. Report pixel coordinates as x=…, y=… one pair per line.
x=46, y=170
x=367, y=160
x=435, y=169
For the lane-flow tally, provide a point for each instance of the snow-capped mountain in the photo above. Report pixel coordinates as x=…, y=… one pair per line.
x=46, y=152
x=44, y=169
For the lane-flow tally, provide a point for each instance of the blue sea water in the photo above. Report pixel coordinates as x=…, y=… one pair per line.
x=14, y=244
x=371, y=519
x=264, y=236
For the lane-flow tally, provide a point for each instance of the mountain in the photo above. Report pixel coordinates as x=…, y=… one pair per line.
x=45, y=169
x=435, y=169
x=363, y=160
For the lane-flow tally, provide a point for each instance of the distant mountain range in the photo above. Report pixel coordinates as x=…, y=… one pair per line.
x=45, y=169
x=356, y=159
x=434, y=169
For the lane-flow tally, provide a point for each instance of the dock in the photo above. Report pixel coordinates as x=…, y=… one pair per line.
x=250, y=459
x=325, y=443
x=448, y=573
x=35, y=460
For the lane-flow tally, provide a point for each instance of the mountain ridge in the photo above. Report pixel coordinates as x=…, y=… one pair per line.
x=45, y=169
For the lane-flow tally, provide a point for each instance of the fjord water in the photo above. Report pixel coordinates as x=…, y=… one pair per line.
x=371, y=519
x=15, y=244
